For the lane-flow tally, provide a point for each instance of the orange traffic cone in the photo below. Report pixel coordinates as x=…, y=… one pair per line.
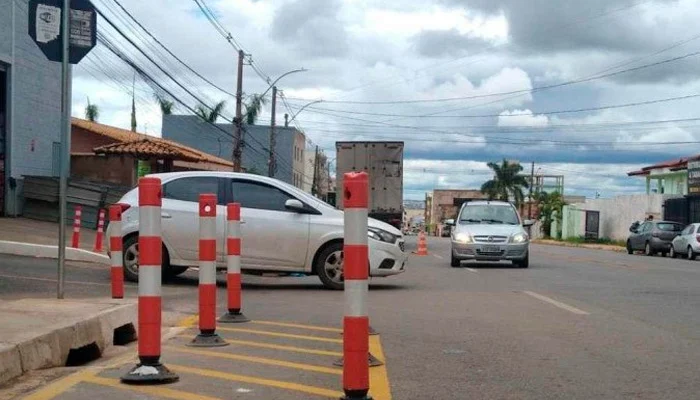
x=422, y=245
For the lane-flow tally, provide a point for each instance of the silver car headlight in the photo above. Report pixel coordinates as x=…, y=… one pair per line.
x=464, y=238
x=519, y=238
x=381, y=235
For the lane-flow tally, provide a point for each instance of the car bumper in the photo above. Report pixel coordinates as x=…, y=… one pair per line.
x=483, y=252
x=660, y=244
x=386, y=259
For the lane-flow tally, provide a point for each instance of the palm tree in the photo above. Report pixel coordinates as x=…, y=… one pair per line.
x=92, y=111
x=210, y=114
x=253, y=108
x=550, y=205
x=166, y=106
x=507, y=182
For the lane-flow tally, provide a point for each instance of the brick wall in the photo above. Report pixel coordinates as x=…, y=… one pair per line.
x=83, y=141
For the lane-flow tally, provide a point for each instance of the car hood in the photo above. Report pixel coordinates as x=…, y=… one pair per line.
x=489, y=229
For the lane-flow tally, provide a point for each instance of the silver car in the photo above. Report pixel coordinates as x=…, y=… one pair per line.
x=490, y=231
x=686, y=243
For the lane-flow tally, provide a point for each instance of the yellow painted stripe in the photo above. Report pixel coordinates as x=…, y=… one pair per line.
x=159, y=391
x=300, y=326
x=280, y=347
x=379, y=386
x=259, y=360
x=188, y=321
x=278, y=334
x=257, y=381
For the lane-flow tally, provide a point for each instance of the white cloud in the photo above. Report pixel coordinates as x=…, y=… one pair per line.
x=522, y=118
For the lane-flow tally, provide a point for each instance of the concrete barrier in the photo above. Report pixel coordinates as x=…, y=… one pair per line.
x=50, y=251
x=43, y=332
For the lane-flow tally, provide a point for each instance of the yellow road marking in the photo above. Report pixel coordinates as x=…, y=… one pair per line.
x=257, y=381
x=188, y=321
x=300, y=326
x=152, y=390
x=284, y=335
x=259, y=360
x=379, y=386
x=280, y=347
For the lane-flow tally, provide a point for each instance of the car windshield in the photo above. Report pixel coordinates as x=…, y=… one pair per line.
x=489, y=214
x=669, y=227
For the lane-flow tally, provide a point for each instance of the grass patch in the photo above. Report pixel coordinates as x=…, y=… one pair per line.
x=583, y=240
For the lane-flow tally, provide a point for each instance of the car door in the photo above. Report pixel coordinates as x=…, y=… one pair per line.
x=180, y=215
x=273, y=237
x=638, y=240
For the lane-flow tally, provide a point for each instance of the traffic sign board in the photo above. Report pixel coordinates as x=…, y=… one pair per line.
x=45, y=28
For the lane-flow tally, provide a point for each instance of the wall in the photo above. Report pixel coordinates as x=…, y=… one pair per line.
x=113, y=169
x=83, y=141
x=443, y=203
x=616, y=214
x=308, y=169
x=217, y=140
x=35, y=93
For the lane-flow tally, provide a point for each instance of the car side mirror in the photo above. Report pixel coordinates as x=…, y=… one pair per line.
x=450, y=222
x=633, y=229
x=528, y=222
x=294, y=205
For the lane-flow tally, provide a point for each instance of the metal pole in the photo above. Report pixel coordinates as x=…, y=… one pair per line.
x=532, y=183
x=238, y=131
x=271, y=161
x=65, y=145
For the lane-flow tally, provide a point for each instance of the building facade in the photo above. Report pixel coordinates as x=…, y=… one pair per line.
x=30, y=107
x=217, y=140
x=445, y=203
x=668, y=177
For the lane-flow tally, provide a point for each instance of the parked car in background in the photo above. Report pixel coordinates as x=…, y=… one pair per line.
x=284, y=230
x=653, y=237
x=687, y=243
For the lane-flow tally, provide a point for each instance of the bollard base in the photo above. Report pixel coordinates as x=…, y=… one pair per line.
x=356, y=395
x=157, y=374
x=207, y=340
x=372, y=360
x=372, y=332
x=233, y=318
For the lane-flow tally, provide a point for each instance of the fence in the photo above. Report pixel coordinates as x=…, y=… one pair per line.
x=40, y=195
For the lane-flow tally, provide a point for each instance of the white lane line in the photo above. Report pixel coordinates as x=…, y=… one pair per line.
x=471, y=270
x=556, y=303
x=438, y=256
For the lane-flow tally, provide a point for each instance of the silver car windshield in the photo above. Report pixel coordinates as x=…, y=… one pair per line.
x=488, y=214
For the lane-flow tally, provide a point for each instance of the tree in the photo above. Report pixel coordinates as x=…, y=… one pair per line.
x=92, y=111
x=210, y=114
x=507, y=182
x=253, y=108
x=166, y=106
x=551, y=206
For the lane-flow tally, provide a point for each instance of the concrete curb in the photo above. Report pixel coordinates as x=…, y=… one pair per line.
x=617, y=249
x=50, y=251
x=47, y=346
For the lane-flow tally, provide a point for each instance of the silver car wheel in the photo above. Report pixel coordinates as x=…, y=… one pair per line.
x=334, y=266
x=131, y=259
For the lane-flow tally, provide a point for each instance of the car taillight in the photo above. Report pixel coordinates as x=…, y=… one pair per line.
x=124, y=206
x=697, y=238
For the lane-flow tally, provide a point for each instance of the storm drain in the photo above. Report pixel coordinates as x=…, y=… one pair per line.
x=83, y=355
x=124, y=335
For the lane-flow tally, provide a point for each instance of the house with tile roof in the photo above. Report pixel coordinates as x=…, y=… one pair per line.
x=667, y=177
x=104, y=153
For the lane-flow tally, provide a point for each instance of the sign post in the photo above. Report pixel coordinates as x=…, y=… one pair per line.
x=65, y=37
x=694, y=177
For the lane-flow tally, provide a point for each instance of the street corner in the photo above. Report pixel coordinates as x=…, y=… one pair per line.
x=262, y=360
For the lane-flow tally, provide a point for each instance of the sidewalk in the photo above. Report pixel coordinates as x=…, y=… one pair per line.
x=608, y=247
x=26, y=237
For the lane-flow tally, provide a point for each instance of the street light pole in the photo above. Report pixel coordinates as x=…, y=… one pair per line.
x=238, y=122
x=271, y=162
x=302, y=109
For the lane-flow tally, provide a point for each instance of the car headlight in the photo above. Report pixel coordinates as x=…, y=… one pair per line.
x=381, y=235
x=463, y=238
x=519, y=238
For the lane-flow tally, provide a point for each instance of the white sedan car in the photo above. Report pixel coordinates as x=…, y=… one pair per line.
x=284, y=230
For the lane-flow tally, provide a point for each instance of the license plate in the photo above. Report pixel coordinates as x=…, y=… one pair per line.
x=491, y=249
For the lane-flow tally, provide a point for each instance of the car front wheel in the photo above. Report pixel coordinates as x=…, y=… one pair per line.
x=131, y=261
x=691, y=253
x=630, y=250
x=648, y=250
x=329, y=266
x=524, y=263
x=454, y=261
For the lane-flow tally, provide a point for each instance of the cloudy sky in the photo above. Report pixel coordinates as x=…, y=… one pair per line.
x=587, y=89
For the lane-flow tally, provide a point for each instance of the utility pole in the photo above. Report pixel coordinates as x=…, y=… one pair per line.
x=271, y=161
x=314, y=182
x=532, y=183
x=238, y=122
x=286, y=120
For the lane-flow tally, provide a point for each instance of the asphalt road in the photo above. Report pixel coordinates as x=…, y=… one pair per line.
x=578, y=324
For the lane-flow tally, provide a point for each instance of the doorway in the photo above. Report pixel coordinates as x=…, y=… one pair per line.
x=4, y=110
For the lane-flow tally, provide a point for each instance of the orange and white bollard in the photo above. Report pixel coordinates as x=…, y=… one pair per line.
x=100, y=231
x=233, y=265
x=115, y=251
x=149, y=370
x=207, y=336
x=75, y=243
x=355, y=268
x=422, y=245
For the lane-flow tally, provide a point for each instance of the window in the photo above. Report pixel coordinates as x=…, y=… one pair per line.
x=645, y=227
x=258, y=195
x=667, y=227
x=189, y=189
x=489, y=214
